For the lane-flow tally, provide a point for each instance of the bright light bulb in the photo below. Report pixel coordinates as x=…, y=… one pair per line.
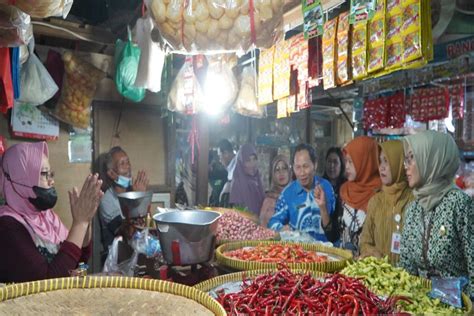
x=216, y=93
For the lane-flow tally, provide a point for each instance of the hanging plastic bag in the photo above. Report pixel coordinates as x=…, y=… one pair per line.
x=42, y=8
x=186, y=94
x=152, y=57
x=36, y=83
x=15, y=26
x=207, y=25
x=126, y=267
x=247, y=102
x=79, y=86
x=127, y=58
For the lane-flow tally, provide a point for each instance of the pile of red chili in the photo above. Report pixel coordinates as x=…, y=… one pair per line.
x=288, y=293
x=286, y=253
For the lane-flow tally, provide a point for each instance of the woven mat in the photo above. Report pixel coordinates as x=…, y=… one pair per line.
x=102, y=301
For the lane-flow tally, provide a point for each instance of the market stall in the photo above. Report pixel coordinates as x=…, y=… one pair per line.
x=169, y=81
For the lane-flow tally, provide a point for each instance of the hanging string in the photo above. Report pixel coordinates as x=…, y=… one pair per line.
x=193, y=138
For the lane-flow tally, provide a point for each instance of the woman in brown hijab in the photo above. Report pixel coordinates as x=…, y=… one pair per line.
x=383, y=226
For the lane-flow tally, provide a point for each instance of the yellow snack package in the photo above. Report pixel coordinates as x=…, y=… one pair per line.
x=394, y=26
x=359, y=50
x=394, y=54
x=343, y=52
x=412, y=31
x=329, y=53
x=376, y=58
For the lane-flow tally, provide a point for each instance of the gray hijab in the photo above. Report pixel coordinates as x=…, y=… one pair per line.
x=437, y=159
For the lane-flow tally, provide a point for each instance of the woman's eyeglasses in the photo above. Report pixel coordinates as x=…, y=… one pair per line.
x=408, y=160
x=48, y=175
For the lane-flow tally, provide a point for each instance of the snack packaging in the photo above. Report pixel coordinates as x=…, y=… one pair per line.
x=218, y=25
x=359, y=50
x=313, y=18
x=265, y=76
x=329, y=53
x=78, y=90
x=246, y=103
x=376, y=45
x=281, y=70
x=362, y=10
x=344, y=73
x=42, y=8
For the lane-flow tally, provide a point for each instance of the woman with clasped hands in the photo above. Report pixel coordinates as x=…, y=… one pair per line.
x=34, y=243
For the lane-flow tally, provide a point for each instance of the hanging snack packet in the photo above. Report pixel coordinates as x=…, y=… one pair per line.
x=80, y=82
x=344, y=72
x=329, y=53
x=281, y=70
x=359, y=50
x=411, y=30
x=394, y=38
x=376, y=55
x=265, y=76
x=362, y=10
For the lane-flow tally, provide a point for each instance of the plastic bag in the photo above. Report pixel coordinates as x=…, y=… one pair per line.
x=42, y=8
x=152, y=58
x=207, y=25
x=36, y=83
x=247, y=103
x=15, y=26
x=145, y=243
x=448, y=290
x=126, y=267
x=186, y=95
x=79, y=86
x=127, y=58
x=55, y=65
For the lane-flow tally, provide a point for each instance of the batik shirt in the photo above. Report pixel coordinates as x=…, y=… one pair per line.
x=450, y=243
x=297, y=208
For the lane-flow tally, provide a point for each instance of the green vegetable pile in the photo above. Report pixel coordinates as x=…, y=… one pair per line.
x=385, y=279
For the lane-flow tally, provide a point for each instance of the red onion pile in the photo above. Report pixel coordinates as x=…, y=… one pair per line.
x=234, y=226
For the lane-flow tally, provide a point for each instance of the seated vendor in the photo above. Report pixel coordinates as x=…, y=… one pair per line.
x=34, y=242
x=307, y=203
x=119, y=176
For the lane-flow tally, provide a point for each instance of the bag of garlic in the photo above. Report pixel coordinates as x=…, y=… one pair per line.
x=218, y=25
x=247, y=103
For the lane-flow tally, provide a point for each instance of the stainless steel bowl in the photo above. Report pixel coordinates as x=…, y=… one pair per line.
x=134, y=204
x=187, y=237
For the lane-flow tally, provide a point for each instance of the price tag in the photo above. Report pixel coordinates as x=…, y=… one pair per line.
x=396, y=237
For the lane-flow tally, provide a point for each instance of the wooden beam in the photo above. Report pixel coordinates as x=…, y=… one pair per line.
x=62, y=29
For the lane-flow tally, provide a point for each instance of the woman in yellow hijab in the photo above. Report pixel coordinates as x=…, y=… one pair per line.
x=382, y=229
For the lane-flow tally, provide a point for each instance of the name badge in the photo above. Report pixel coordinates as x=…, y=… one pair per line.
x=396, y=237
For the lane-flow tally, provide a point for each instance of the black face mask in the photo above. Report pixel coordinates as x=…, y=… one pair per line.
x=45, y=198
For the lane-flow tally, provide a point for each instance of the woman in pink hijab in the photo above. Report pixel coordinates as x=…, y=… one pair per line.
x=34, y=243
x=246, y=189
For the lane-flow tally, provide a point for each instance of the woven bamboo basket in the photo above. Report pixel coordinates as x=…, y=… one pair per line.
x=106, y=284
x=275, y=238
x=211, y=284
x=341, y=257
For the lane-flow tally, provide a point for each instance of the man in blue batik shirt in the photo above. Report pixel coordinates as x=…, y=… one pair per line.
x=307, y=203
